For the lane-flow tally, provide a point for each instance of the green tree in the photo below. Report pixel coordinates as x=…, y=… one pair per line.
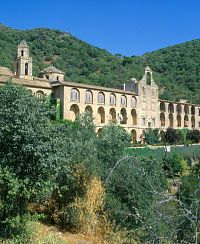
x=152, y=136
x=28, y=157
x=111, y=143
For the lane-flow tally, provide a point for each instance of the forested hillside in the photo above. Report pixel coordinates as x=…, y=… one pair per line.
x=177, y=68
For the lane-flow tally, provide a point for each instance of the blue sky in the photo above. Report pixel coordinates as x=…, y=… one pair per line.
x=129, y=27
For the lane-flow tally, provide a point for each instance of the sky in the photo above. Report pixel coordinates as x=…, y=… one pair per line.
x=128, y=27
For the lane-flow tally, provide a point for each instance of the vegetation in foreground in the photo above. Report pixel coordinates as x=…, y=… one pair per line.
x=60, y=173
x=176, y=68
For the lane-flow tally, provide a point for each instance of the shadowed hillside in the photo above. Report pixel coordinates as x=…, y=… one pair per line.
x=177, y=68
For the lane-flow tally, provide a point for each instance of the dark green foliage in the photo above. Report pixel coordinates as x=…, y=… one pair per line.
x=194, y=136
x=172, y=164
x=131, y=193
x=111, y=144
x=27, y=154
x=176, y=68
x=171, y=136
x=152, y=136
x=189, y=195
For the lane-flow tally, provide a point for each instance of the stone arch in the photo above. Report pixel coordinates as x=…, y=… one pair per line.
x=162, y=107
x=99, y=132
x=171, y=108
x=124, y=116
x=192, y=110
x=74, y=111
x=123, y=101
x=88, y=96
x=162, y=119
x=112, y=99
x=133, y=102
x=101, y=115
x=178, y=120
x=134, y=136
x=88, y=109
x=39, y=94
x=171, y=120
x=193, y=121
x=186, y=109
x=134, y=116
x=74, y=95
x=113, y=114
x=186, y=120
x=179, y=108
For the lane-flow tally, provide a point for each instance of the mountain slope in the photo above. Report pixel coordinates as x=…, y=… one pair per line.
x=177, y=68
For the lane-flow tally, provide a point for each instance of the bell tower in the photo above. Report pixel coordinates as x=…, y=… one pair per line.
x=24, y=61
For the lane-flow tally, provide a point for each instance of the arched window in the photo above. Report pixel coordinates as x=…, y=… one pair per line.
x=112, y=100
x=186, y=121
x=179, y=109
x=162, y=119
x=148, y=78
x=101, y=115
x=39, y=94
x=123, y=101
x=26, y=68
x=133, y=102
x=113, y=115
x=134, y=116
x=22, y=53
x=123, y=116
x=74, y=95
x=162, y=106
x=171, y=120
x=74, y=111
x=88, y=97
x=101, y=98
x=193, y=121
x=178, y=120
x=88, y=109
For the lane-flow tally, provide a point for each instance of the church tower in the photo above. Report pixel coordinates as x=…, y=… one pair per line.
x=24, y=62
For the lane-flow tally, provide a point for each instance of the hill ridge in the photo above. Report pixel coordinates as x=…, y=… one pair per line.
x=176, y=68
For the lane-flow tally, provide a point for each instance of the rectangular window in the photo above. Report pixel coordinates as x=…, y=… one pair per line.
x=143, y=121
x=153, y=122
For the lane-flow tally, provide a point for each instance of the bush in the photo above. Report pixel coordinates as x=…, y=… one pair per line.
x=194, y=136
x=152, y=136
x=171, y=136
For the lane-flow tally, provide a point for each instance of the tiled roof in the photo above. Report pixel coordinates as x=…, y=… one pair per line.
x=5, y=71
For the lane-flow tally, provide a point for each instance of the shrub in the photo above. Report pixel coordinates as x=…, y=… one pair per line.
x=171, y=136
x=152, y=136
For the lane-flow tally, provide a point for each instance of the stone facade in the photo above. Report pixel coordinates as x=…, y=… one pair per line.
x=136, y=107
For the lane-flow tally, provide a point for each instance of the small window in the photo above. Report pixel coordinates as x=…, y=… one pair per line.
x=112, y=99
x=148, y=78
x=22, y=53
x=88, y=97
x=74, y=95
x=57, y=78
x=47, y=77
x=123, y=101
x=133, y=102
x=153, y=122
x=143, y=121
x=101, y=98
x=26, y=68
